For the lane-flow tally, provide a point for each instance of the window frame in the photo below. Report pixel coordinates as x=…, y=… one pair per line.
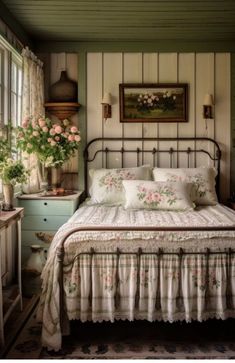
x=9, y=56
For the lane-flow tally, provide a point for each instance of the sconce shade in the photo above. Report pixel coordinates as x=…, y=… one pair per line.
x=107, y=99
x=208, y=100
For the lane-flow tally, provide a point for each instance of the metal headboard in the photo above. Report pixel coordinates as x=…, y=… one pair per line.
x=214, y=155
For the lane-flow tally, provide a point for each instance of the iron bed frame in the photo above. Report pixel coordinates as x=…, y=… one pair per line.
x=215, y=157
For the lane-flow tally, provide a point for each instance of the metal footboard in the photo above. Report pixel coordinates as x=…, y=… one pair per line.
x=159, y=253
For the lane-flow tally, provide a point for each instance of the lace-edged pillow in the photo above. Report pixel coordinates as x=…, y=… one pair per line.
x=158, y=195
x=202, y=178
x=106, y=184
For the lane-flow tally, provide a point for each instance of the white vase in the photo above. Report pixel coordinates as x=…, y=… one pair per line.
x=8, y=195
x=31, y=273
x=36, y=260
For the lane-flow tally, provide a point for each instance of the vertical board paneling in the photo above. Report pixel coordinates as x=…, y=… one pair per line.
x=94, y=98
x=71, y=63
x=168, y=67
x=204, y=85
x=112, y=76
x=222, y=118
x=132, y=73
x=186, y=66
x=203, y=72
x=150, y=75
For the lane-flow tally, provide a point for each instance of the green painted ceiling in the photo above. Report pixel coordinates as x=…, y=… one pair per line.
x=87, y=20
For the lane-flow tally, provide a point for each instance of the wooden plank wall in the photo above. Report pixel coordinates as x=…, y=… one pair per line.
x=204, y=72
x=54, y=63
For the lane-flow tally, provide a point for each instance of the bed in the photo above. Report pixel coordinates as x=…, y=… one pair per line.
x=108, y=262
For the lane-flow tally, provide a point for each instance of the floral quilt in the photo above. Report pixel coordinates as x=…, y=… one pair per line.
x=165, y=288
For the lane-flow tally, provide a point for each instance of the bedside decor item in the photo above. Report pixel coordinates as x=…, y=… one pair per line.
x=64, y=90
x=63, y=98
x=161, y=102
x=11, y=172
x=106, y=106
x=31, y=273
x=207, y=106
x=52, y=143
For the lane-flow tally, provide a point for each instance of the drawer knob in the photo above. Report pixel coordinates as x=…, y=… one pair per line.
x=45, y=203
x=45, y=219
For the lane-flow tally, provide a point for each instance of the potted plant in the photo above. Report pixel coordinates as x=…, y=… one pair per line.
x=11, y=172
x=53, y=143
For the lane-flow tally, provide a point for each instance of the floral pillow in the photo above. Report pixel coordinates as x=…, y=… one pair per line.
x=203, y=180
x=106, y=184
x=158, y=195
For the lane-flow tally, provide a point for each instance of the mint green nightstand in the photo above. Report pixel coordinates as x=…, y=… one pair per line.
x=45, y=215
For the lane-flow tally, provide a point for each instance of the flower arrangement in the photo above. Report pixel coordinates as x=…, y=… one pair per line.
x=13, y=171
x=163, y=101
x=53, y=143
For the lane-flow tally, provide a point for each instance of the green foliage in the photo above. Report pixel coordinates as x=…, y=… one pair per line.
x=13, y=171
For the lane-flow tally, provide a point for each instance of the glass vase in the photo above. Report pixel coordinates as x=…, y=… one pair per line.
x=44, y=179
x=56, y=175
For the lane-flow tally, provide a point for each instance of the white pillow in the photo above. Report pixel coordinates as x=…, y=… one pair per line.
x=158, y=195
x=202, y=178
x=106, y=184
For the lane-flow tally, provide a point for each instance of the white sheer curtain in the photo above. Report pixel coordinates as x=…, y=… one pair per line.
x=32, y=106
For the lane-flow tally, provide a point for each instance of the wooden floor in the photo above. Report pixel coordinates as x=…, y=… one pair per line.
x=16, y=322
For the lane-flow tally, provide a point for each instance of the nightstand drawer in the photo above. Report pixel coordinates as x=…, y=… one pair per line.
x=43, y=223
x=47, y=207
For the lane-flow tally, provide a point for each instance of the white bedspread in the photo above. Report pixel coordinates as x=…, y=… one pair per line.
x=77, y=279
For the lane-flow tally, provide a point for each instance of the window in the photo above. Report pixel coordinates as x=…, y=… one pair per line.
x=10, y=88
x=16, y=92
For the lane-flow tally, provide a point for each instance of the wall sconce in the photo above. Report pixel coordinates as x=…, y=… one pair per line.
x=106, y=105
x=207, y=106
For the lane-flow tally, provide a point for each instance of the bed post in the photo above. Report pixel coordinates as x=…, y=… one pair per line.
x=60, y=259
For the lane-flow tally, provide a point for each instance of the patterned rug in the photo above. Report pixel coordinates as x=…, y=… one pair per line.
x=132, y=340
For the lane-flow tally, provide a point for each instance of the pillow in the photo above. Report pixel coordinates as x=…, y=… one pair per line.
x=202, y=178
x=158, y=195
x=106, y=184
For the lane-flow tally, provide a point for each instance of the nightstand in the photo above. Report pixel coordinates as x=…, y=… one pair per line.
x=44, y=215
x=10, y=265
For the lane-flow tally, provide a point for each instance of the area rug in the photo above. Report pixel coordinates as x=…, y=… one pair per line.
x=136, y=340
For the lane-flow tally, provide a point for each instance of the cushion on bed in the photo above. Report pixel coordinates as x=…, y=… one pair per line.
x=106, y=184
x=202, y=178
x=173, y=196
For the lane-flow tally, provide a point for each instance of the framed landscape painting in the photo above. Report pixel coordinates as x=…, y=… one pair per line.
x=163, y=102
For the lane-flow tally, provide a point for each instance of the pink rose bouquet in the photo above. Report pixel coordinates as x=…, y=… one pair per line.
x=53, y=143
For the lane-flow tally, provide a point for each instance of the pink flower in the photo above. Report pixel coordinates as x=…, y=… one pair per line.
x=77, y=138
x=34, y=123
x=41, y=122
x=35, y=133
x=53, y=143
x=25, y=124
x=52, y=132
x=49, y=139
x=57, y=138
x=58, y=129
x=71, y=138
x=45, y=129
x=74, y=129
